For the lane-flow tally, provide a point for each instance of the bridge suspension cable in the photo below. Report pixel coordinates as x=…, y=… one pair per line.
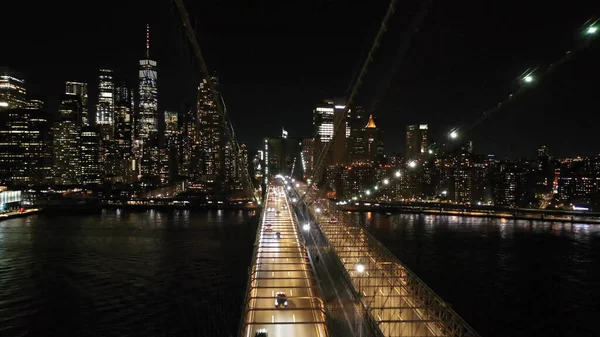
x=217, y=98
x=339, y=121
x=528, y=78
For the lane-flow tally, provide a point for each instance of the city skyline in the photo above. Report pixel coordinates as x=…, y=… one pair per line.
x=471, y=83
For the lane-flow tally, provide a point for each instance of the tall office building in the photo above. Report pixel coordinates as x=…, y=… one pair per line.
x=25, y=156
x=123, y=114
x=66, y=135
x=105, y=110
x=189, y=143
x=325, y=116
x=13, y=94
x=91, y=169
x=373, y=150
x=211, y=138
x=147, y=123
x=80, y=89
x=416, y=141
x=173, y=143
x=357, y=122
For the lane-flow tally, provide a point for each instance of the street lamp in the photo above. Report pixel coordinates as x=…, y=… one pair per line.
x=386, y=181
x=398, y=174
x=306, y=227
x=359, y=268
x=453, y=134
x=318, y=210
x=412, y=164
x=591, y=30
x=528, y=79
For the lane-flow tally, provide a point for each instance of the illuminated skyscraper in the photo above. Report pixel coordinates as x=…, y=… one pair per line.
x=211, y=130
x=91, y=169
x=25, y=156
x=325, y=116
x=123, y=114
x=66, y=134
x=81, y=89
x=105, y=110
x=173, y=143
x=148, y=95
x=13, y=94
x=416, y=141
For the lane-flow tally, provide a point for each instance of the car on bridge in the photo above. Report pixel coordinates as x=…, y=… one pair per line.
x=261, y=333
x=281, y=300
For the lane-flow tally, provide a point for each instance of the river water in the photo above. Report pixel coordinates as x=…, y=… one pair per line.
x=504, y=277
x=180, y=273
x=122, y=273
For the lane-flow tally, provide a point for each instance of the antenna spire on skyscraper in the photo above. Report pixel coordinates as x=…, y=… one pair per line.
x=148, y=41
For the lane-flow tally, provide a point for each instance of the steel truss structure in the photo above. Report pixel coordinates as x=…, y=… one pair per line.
x=400, y=303
x=280, y=264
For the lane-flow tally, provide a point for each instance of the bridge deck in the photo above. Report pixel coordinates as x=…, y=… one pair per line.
x=282, y=265
x=399, y=302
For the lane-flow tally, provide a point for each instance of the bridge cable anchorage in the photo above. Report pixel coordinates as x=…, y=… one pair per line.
x=589, y=30
x=322, y=158
x=217, y=98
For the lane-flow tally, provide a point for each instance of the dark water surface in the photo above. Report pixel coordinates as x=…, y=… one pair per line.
x=505, y=278
x=122, y=273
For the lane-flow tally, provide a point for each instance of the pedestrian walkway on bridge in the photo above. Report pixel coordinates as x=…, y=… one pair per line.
x=397, y=300
x=281, y=266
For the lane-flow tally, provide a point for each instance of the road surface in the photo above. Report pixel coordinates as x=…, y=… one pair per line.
x=282, y=265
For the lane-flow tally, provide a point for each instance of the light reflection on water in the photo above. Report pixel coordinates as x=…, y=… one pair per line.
x=123, y=273
x=505, y=277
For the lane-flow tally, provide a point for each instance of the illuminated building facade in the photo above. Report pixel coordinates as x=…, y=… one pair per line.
x=373, y=151
x=189, y=144
x=91, y=169
x=65, y=140
x=80, y=89
x=121, y=150
x=325, y=116
x=106, y=104
x=173, y=142
x=13, y=94
x=416, y=141
x=25, y=156
x=308, y=148
x=147, y=123
x=211, y=137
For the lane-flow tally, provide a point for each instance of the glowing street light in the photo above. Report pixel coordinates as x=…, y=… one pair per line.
x=294, y=199
x=318, y=210
x=306, y=227
x=398, y=174
x=386, y=181
x=367, y=192
x=453, y=134
x=412, y=164
x=359, y=267
x=528, y=79
x=297, y=185
x=430, y=151
x=591, y=30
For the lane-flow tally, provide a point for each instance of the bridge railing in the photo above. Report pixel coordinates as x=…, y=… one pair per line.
x=244, y=315
x=432, y=312
x=320, y=248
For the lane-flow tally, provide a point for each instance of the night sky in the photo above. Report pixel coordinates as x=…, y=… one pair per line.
x=276, y=59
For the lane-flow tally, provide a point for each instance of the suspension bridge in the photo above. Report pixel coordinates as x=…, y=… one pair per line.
x=315, y=273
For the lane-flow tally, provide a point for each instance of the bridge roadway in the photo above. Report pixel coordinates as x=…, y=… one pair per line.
x=399, y=302
x=282, y=265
